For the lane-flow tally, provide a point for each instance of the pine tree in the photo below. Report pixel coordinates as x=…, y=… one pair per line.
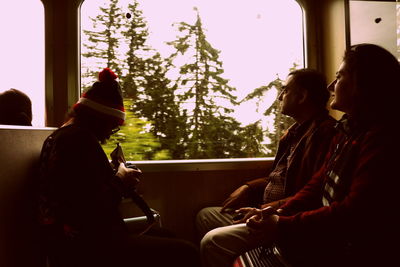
x=159, y=106
x=136, y=36
x=204, y=95
x=147, y=85
x=253, y=136
x=103, y=45
x=103, y=42
x=281, y=122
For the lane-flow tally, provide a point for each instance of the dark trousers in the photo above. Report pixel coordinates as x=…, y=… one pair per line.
x=156, y=248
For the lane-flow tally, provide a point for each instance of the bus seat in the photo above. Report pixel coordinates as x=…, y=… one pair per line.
x=19, y=156
x=19, y=230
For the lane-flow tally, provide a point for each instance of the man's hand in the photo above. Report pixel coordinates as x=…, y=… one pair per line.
x=247, y=213
x=238, y=198
x=243, y=214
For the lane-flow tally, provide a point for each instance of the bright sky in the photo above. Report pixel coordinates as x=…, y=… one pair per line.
x=257, y=38
x=22, y=51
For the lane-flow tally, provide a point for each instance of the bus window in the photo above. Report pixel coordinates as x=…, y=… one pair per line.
x=376, y=22
x=200, y=78
x=22, y=52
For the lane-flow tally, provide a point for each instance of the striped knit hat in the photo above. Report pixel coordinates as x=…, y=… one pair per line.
x=105, y=96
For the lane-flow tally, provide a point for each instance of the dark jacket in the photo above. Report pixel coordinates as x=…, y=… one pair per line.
x=360, y=226
x=311, y=144
x=79, y=198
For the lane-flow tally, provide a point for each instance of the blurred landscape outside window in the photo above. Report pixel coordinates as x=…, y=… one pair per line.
x=199, y=77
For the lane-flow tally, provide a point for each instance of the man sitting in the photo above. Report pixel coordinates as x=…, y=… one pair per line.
x=301, y=151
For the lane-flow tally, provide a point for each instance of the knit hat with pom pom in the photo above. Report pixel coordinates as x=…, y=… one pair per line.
x=105, y=96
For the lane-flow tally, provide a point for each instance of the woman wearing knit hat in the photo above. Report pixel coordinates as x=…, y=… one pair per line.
x=80, y=193
x=101, y=108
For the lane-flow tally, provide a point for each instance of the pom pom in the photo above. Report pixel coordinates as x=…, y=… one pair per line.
x=107, y=75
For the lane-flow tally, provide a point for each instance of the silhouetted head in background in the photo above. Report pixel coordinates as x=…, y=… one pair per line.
x=15, y=108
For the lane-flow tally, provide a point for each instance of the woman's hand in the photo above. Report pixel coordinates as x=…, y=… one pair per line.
x=129, y=176
x=264, y=222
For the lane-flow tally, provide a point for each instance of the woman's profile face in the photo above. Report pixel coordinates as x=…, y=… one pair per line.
x=343, y=89
x=106, y=129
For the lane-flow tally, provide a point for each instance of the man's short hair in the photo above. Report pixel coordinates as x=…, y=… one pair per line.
x=15, y=108
x=315, y=83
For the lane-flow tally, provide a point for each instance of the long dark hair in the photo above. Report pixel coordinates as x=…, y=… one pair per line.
x=376, y=74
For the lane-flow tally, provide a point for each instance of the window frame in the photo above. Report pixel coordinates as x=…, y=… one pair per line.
x=62, y=71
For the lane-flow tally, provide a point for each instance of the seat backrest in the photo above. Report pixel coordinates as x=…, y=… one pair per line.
x=19, y=153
